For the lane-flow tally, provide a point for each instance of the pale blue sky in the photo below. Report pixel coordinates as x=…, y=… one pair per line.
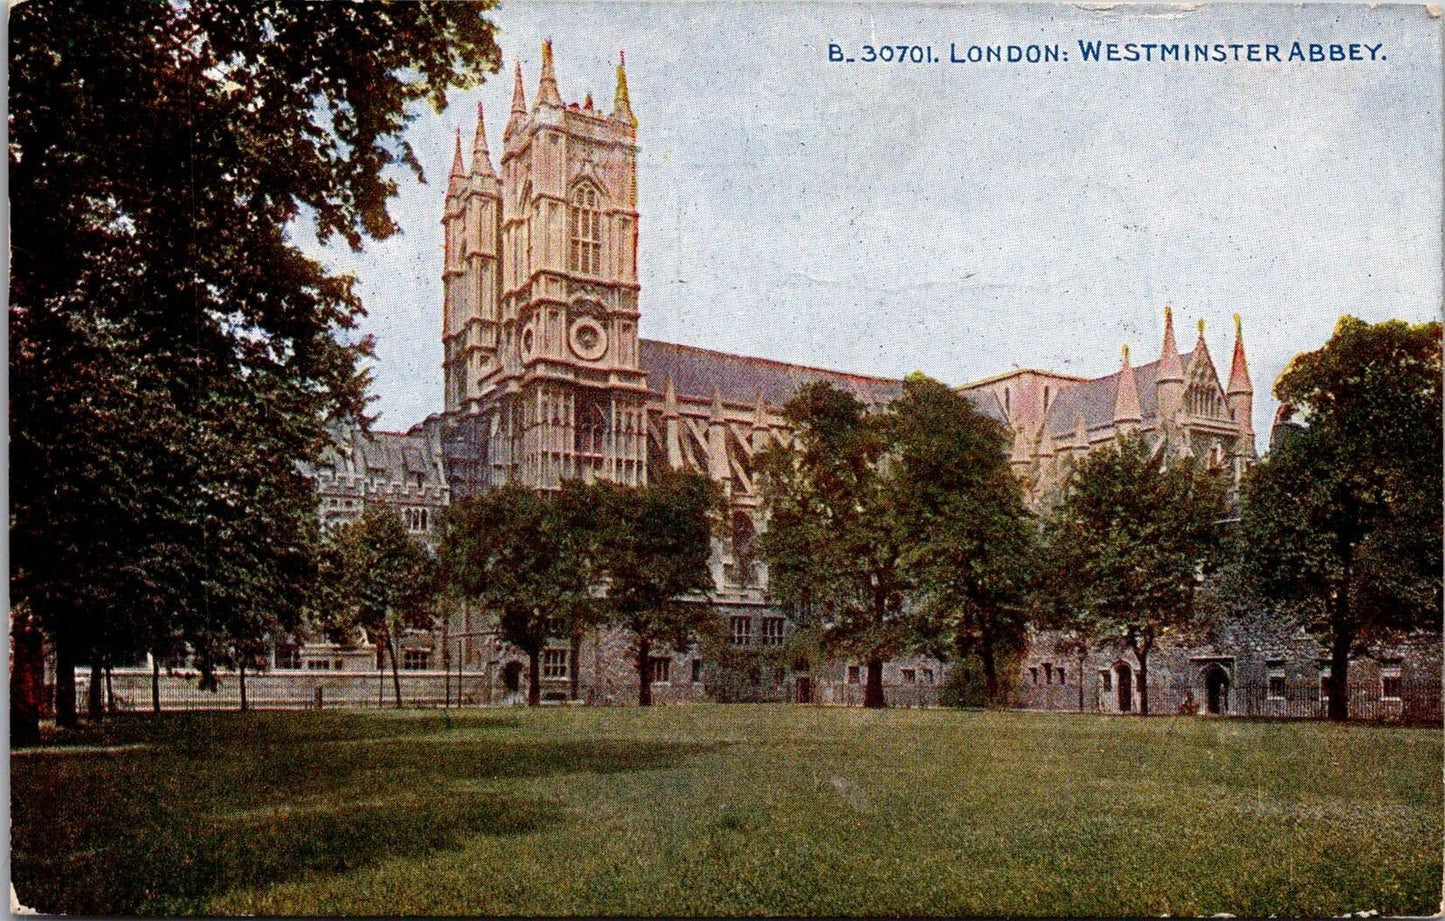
x=964, y=220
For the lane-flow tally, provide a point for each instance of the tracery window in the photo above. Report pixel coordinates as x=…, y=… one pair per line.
x=585, y=255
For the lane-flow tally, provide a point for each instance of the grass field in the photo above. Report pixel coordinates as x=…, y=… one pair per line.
x=728, y=810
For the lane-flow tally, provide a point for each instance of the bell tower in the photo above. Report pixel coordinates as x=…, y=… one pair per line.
x=566, y=395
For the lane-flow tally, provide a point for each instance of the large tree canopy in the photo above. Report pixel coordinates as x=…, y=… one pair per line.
x=1344, y=514
x=972, y=539
x=172, y=353
x=1129, y=544
x=530, y=558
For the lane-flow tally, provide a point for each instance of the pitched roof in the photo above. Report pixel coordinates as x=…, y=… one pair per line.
x=739, y=379
x=1094, y=400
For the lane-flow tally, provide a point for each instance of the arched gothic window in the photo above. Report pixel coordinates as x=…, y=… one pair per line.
x=591, y=432
x=585, y=255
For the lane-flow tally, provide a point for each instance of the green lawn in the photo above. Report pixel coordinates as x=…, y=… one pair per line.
x=729, y=810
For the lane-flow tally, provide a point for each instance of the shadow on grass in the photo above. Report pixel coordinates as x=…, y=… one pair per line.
x=159, y=832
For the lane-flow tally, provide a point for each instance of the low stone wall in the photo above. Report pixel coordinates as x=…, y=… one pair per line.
x=296, y=689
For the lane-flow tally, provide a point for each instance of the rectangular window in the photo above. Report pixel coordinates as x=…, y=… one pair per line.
x=1048, y=673
x=854, y=674
x=772, y=631
x=697, y=670
x=319, y=665
x=1390, y=682
x=908, y=675
x=1275, y=675
x=288, y=657
x=661, y=668
x=415, y=659
x=554, y=663
x=1034, y=673
x=1060, y=670
x=1106, y=678
x=339, y=665
x=742, y=631
x=928, y=676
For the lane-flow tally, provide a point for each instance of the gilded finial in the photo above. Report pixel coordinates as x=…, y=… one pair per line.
x=1124, y=353
x=1238, y=328
x=1201, y=329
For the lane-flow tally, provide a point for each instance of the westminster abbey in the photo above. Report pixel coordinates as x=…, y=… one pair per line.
x=546, y=379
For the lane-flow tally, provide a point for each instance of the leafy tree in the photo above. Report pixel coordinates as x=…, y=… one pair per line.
x=530, y=557
x=835, y=542
x=971, y=537
x=655, y=544
x=381, y=580
x=172, y=353
x=1129, y=544
x=1344, y=514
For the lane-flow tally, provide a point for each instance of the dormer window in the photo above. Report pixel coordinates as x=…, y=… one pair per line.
x=585, y=255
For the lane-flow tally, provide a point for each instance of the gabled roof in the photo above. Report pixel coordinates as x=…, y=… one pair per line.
x=738, y=379
x=1094, y=400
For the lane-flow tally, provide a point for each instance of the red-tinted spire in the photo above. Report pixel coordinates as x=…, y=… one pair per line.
x=547, y=94
x=1239, y=369
x=1170, y=368
x=1126, y=395
x=481, y=157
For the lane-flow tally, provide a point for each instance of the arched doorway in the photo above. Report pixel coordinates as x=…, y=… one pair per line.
x=1216, y=689
x=512, y=677
x=1124, y=681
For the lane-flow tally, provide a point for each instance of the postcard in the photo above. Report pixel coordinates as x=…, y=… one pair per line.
x=719, y=459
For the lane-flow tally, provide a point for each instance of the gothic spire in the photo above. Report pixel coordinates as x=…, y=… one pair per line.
x=1239, y=369
x=481, y=157
x=1126, y=395
x=454, y=182
x=547, y=94
x=621, y=104
x=1170, y=368
x=519, y=100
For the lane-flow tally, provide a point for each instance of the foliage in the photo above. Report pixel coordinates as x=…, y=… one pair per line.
x=835, y=543
x=529, y=557
x=378, y=579
x=172, y=353
x=656, y=541
x=972, y=540
x=1129, y=544
x=729, y=811
x=1344, y=515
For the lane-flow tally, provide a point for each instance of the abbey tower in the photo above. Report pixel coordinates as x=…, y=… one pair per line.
x=540, y=278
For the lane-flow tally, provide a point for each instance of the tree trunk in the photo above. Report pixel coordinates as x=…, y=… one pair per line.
x=990, y=672
x=574, y=680
x=873, y=690
x=391, y=650
x=534, y=677
x=1081, y=683
x=27, y=680
x=242, y=679
x=1340, y=643
x=1142, y=654
x=95, y=708
x=65, y=714
x=155, y=682
x=644, y=667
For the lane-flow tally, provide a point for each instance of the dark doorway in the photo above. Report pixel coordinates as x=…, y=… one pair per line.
x=1216, y=689
x=804, y=689
x=1125, y=676
x=512, y=676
